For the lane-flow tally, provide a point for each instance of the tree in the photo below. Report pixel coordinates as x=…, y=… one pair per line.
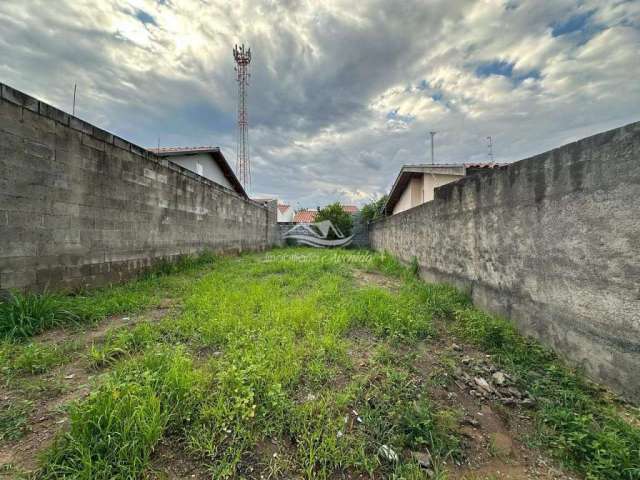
x=374, y=210
x=340, y=219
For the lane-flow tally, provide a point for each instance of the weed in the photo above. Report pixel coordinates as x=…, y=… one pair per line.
x=24, y=315
x=575, y=422
x=13, y=420
x=277, y=328
x=122, y=341
x=112, y=434
x=36, y=358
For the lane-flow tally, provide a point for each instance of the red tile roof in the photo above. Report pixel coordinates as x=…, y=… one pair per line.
x=484, y=165
x=350, y=209
x=305, y=216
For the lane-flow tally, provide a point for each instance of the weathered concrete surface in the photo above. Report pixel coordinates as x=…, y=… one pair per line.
x=82, y=207
x=552, y=242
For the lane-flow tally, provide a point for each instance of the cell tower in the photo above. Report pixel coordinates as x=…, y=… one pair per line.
x=243, y=164
x=490, y=147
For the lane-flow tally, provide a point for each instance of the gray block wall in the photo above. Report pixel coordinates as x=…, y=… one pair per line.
x=82, y=207
x=552, y=242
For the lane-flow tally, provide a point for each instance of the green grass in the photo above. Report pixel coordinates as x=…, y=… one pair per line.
x=25, y=315
x=34, y=358
x=13, y=420
x=577, y=424
x=263, y=350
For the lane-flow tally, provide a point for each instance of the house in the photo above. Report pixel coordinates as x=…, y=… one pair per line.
x=350, y=209
x=305, y=216
x=208, y=162
x=415, y=184
x=285, y=212
x=309, y=215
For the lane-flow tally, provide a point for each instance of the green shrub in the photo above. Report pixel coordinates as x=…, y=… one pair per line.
x=338, y=217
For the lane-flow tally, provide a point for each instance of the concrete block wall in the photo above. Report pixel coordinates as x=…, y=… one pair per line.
x=80, y=206
x=552, y=242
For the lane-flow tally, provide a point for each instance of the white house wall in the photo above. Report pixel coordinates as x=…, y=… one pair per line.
x=204, y=165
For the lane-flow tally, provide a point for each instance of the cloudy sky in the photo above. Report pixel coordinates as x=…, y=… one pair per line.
x=342, y=92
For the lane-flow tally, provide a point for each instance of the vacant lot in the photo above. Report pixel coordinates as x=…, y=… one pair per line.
x=295, y=363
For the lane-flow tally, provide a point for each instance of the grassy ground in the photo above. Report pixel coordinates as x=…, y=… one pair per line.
x=296, y=363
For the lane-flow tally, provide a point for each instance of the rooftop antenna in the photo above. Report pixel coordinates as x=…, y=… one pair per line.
x=242, y=58
x=73, y=110
x=433, y=134
x=490, y=146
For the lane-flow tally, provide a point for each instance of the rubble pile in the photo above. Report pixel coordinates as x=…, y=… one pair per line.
x=485, y=381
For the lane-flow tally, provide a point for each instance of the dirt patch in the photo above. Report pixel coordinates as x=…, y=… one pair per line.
x=491, y=431
x=74, y=381
x=170, y=461
x=368, y=279
x=96, y=331
x=48, y=417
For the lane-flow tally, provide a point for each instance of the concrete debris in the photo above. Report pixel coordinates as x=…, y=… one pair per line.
x=499, y=378
x=483, y=384
x=472, y=375
x=423, y=458
x=388, y=453
x=470, y=421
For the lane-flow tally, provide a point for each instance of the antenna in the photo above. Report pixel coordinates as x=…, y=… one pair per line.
x=75, y=86
x=490, y=146
x=242, y=58
x=433, y=134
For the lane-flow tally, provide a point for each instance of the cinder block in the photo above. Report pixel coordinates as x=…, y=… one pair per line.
x=92, y=142
x=81, y=125
x=102, y=135
x=54, y=114
x=17, y=280
x=137, y=150
x=19, y=98
x=120, y=143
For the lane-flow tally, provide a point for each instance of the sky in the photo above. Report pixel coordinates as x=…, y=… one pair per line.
x=342, y=93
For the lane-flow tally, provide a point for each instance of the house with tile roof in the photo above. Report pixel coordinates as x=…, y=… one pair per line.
x=305, y=216
x=285, y=213
x=415, y=184
x=208, y=162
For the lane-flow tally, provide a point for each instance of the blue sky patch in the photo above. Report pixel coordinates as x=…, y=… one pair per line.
x=144, y=17
x=393, y=115
x=505, y=69
x=575, y=23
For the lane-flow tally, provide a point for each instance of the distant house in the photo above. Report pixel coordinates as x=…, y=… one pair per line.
x=285, y=213
x=415, y=183
x=305, y=216
x=208, y=162
x=350, y=209
x=309, y=215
